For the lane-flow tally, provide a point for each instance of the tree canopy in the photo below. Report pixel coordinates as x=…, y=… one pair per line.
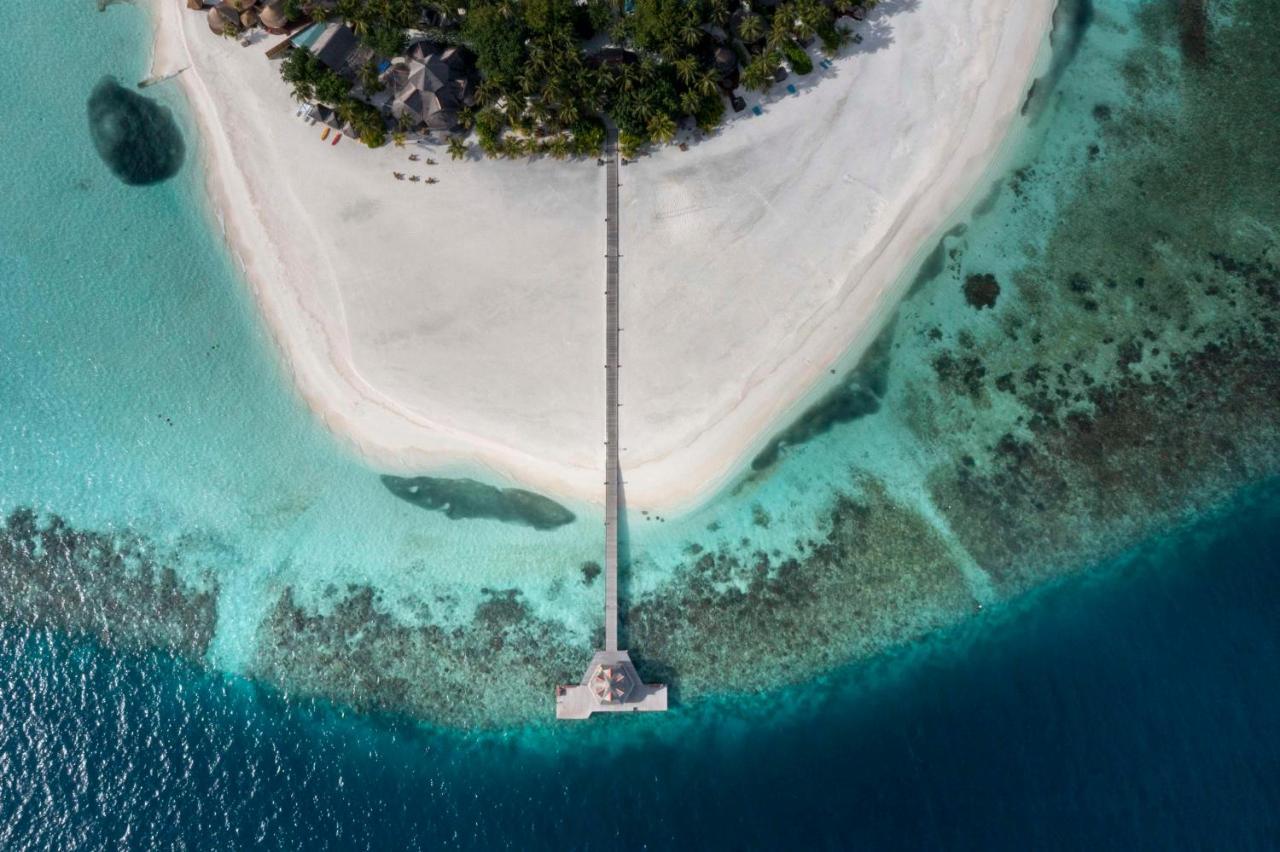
x=546, y=84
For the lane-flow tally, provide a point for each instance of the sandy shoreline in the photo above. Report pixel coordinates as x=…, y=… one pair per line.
x=444, y=328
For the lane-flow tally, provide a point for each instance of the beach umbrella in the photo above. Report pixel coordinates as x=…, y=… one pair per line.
x=241, y=5
x=248, y=19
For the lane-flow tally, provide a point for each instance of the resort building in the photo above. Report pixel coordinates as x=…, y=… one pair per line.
x=335, y=45
x=432, y=85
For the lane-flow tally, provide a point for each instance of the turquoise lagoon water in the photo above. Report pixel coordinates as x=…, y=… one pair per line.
x=144, y=404
x=141, y=392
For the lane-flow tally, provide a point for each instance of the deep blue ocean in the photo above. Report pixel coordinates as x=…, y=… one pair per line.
x=1131, y=707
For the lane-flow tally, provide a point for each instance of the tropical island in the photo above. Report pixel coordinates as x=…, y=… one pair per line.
x=448, y=324
x=538, y=77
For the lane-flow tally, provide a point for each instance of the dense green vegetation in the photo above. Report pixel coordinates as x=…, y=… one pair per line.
x=547, y=84
x=312, y=81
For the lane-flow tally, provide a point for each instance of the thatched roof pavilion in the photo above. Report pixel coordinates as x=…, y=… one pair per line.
x=224, y=20
x=248, y=19
x=435, y=85
x=272, y=16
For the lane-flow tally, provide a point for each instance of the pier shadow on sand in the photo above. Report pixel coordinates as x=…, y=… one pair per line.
x=650, y=670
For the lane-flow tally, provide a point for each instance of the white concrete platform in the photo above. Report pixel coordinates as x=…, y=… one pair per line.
x=610, y=685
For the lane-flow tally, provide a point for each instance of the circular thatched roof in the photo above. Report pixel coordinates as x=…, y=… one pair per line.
x=272, y=15
x=223, y=19
x=248, y=18
x=241, y=5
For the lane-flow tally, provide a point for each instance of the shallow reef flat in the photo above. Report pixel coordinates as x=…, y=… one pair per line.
x=1133, y=371
x=1089, y=357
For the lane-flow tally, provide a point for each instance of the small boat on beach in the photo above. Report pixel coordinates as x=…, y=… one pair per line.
x=151, y=81
x=324, y=134
x=336, y=139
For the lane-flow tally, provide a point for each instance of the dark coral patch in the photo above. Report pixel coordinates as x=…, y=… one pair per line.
x=135, y=136
x=466, y=499
x=981, y=290
x=113, y=587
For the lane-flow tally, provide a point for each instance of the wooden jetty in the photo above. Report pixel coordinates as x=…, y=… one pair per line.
x=611, y=683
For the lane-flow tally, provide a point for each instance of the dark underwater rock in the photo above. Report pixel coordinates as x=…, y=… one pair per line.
x=462, y=499
x=981, y=290
x=136, y=137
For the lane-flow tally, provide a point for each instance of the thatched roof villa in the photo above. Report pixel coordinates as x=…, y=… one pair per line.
x=434, y=84
x=224, y=19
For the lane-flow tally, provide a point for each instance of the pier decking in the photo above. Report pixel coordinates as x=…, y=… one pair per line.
x=611, y=683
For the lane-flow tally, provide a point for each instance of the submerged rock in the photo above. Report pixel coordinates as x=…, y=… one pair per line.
x=136, y=137
x=462, y=499
x=981, y=290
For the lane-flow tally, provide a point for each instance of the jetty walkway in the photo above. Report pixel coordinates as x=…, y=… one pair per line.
x=611, y=683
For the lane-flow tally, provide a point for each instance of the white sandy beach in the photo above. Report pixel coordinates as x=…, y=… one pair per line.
x=443, y=327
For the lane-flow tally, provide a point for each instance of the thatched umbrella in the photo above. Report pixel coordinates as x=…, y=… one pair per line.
x=272, y=16
x=224, y=20
x=241, y=5
x=195, y=5
x=248, y=19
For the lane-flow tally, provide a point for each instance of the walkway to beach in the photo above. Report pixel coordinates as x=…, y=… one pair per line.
x=611, y=683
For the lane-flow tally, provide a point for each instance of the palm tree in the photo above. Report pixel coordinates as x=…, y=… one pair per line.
x=758, y=74
x=707, y=82
x=457, y=147
x=780, y=32
x=750, y=28
x=662, y=127
x=686, y=69
x=398, y=139
x=569, y=114
x=690, y=34
x=690, y=101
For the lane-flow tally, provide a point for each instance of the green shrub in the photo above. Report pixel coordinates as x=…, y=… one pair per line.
x=800, y=61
